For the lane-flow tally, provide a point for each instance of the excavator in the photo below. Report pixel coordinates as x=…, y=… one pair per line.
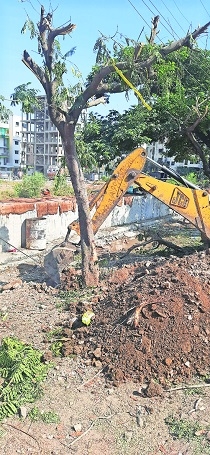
x=183, y=197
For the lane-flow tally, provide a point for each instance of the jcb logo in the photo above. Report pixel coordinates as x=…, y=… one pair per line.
x=179, y=199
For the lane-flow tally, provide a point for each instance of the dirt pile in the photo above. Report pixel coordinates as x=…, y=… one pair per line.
x=151, y=322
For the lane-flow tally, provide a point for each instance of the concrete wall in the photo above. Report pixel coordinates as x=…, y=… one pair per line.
x=136, y=209
x=60, y=213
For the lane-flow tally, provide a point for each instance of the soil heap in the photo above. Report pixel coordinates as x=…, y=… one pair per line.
x=151, y=321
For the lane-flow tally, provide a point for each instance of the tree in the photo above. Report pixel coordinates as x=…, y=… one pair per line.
x=4, y=112
x=112, y=136
x=180, y=117
x=181, y=109
x=65, y=105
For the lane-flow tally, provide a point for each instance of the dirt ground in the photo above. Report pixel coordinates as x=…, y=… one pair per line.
x=119, y=380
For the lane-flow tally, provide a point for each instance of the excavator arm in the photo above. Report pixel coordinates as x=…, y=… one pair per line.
x=192, y=203
x=186, y=199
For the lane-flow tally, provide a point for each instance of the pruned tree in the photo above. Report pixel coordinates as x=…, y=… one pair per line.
x=181, y=110
x=65, y=107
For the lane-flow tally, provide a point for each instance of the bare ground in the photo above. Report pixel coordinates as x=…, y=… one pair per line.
x=116, y=377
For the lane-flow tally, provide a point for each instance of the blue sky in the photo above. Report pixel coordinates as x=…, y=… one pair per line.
x=91, y=17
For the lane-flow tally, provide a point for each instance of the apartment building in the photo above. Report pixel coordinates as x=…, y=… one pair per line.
x=4, y=146
x=41, y=145
x=10, y=145
x=15, y=158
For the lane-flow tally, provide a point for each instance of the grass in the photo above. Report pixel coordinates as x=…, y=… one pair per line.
x=7, y=190
x=35, y=415
x=67, y=297
x=182, y=429
x=191, y=432
x=13, y=189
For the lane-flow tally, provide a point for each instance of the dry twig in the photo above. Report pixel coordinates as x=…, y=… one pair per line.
x=24, y=432
x=196, y=386
x=91, y=379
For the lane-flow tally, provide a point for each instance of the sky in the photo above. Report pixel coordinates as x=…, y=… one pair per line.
x=91, y=17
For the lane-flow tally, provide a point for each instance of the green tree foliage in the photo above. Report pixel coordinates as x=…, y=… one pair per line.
x=4, y=112
x=181, y=105
x=26, y=96
x=85, y=151
x=180, y=116
x=116, y=134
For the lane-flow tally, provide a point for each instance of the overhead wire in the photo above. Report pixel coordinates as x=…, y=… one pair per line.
x=191, y=75
x=204, y=8
x=192, y=55
x=173, y=16
x=181, y=12
x=197, y=81
x=159, y=13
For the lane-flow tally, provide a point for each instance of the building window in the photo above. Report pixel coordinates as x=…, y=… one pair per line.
x=16, y=161
x=17, y=123
x=16, y=142
x=16, y=152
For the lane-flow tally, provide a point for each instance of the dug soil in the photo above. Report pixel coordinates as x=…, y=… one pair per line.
x=151, y=322
x=119, y=376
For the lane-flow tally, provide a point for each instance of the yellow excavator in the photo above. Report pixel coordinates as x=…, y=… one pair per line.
x=185, y=198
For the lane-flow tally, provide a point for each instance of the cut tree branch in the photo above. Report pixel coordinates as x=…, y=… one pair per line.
x=156, y=238
x=36, y=70
x=101, y=100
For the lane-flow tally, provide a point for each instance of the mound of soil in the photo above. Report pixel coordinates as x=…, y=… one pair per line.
x=151, y=322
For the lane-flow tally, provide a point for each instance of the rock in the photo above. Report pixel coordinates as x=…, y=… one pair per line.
x=23, y=412
x=97, y=353
x=14, y=284
x=128, y=436
x=97, y=364
x=168, y=361
x=56, y=261
x=77, y=427
x=153, y=389
x=208, y=436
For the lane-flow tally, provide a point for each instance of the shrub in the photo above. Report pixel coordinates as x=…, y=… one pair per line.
x=61, y=187
x=31, y=185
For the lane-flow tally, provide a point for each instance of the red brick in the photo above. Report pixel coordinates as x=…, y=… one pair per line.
x=66, y=205
x=17, y=208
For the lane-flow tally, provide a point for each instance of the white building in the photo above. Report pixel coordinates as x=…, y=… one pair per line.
x=158, y=152
x=15, y=143
x=10, y=145
x=4, y=146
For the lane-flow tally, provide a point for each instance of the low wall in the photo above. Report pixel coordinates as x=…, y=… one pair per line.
x=60, y=212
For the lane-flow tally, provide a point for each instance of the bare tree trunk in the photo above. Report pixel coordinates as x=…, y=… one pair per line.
x=199, y=152
x=90, y=271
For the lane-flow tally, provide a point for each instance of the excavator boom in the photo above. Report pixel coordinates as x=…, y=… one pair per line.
x=113, y=190
x=186, y=199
